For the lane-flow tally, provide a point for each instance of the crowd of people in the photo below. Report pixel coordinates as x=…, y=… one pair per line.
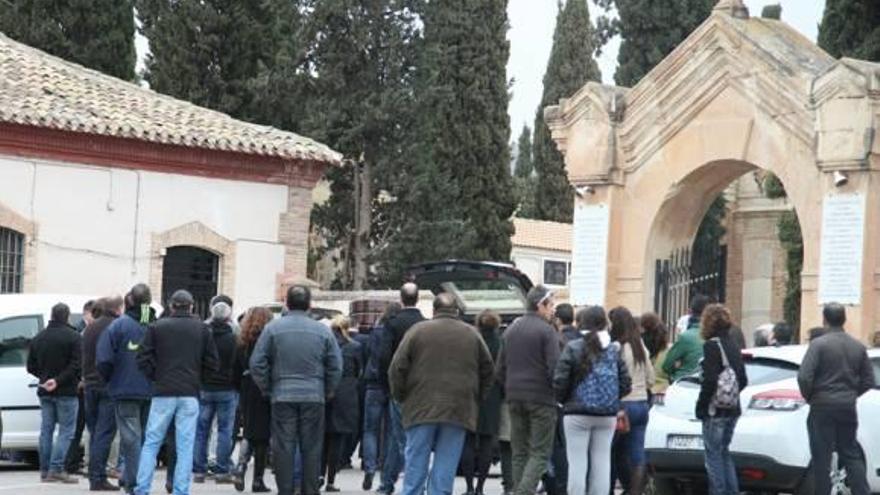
x=562, y=397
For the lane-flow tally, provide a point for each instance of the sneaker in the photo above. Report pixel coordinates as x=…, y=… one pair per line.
x=103, y=486
x=224, y=479
x=259, y=487
x=169, y=488
x=114, y=473
x=331, y=489
x=62, y=478
x=199, y=478
x=44, y=478
x=368, y=482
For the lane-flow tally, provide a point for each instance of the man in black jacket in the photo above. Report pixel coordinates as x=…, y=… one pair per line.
x=395, y=330
x=100, y=413
x=176, y=354
x=54, y=358
x=219, y=398
x=835, y=372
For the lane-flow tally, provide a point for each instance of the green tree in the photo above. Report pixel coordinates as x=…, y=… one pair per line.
x=524, y=176
x=98, y=34
x=571, y=65
x=851, y=28
x=207, y=52
x=458, y=201
x=650, y=30
x=361, y=107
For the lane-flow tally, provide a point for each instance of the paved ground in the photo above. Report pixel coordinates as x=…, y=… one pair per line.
x=18, y=480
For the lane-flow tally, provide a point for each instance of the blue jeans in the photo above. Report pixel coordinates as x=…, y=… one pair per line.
x=375, y=412
x=59, y=411
x=184, y=411
x=101, y=422
x=395, y=443
x=131, y=421
x=222, y=405
x=446, y=442
x=717, y=434
x=635, y=439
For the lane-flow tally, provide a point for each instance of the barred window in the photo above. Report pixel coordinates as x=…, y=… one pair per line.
x=11, y=261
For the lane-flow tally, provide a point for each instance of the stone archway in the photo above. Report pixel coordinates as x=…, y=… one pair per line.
x=739, y=94
x=195, y=234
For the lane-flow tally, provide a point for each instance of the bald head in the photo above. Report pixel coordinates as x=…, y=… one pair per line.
x=409, y=294
x=445, y=303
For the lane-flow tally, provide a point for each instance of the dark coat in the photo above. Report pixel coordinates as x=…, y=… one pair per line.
x=176, y=355
x=713, y=365
x=441, y=373
x=489, y=421
x=55, y=354
x=836, y=371
x=343, y=411
x=256, y=408
x=226, y=343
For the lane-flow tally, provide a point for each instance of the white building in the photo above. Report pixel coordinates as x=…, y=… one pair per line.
x=104, y=184
x=542, y=250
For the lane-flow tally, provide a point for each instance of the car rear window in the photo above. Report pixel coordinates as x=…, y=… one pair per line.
x=760, y=371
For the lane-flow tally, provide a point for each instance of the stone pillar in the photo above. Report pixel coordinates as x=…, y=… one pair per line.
x=293, y=233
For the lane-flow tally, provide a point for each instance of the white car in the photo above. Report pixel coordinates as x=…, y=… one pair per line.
x=770, y=445
x=21, y=317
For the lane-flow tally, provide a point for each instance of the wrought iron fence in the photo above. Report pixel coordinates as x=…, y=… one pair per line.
x=685, y=274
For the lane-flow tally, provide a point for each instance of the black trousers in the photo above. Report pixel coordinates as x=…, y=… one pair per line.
x=476, y=458
x=297, y=425
x=335, y=448
x=834, y=430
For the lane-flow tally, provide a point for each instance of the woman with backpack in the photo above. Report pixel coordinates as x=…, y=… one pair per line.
x=590, y=379
x=718, y=407
x=625, y=331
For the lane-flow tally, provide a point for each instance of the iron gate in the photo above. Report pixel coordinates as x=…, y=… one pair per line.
x=685, y=274
x=193, y=269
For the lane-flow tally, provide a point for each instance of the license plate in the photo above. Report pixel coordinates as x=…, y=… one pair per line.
x=684, y=442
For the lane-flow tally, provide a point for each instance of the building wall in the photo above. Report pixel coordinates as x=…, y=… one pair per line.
x=96, y=226
x=531, y=262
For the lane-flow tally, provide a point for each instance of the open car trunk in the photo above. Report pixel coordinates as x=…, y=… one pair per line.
x=476, y=286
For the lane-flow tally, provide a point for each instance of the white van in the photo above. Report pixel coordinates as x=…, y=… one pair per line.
x=21, y=317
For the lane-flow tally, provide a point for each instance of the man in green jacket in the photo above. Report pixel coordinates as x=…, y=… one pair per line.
x=685, y=354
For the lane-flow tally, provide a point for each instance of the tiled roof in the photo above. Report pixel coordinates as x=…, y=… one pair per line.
x=539, y=234
x=40, y=90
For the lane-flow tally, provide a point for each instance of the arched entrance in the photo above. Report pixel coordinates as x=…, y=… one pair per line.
x=737, y=96
x=193, y=269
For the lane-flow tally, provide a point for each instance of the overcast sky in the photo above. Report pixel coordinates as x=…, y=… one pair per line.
x=531, y=37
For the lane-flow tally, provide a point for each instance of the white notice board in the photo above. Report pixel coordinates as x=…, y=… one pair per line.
x=589, y=257
x=840, y=266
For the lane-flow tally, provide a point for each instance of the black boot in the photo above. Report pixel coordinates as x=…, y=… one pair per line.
x=259, y=487
x=238, y=481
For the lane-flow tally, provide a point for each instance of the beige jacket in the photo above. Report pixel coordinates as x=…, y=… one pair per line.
x=642, y=375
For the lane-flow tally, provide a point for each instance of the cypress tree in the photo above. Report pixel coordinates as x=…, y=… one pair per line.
x=459, y=201
x=98, y=34
x=571, y=65
x=524, y=176
x=206, y=52
x=361, y=107
x=851, y=28
x=651, y=30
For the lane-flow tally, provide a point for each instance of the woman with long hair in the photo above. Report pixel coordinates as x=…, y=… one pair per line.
x=255, y=407
x=343, y=410
x=718, y=407
x=590, y=379
x=626, y=332
x=479, y=446
x=656, y=338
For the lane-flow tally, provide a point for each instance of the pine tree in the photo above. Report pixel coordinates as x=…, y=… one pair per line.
x=98, y=34
x=851, y=28
x=459, y=201
x=206, y=52
x=571, y=65
x=361, y=107
x=651, y=30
